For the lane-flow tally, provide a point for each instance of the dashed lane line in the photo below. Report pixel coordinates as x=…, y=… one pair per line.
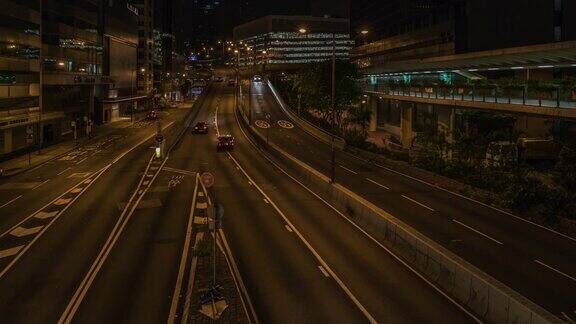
x=418, y=203
x=378, y=184
x=555, y=270
x=478, y=232
x=349, y=170
x=41, y=184
x=63, y=171
x=11, y=201
x=323, y=271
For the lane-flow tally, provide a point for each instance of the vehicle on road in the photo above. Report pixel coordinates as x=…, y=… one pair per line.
x=152, y=115
x=201, y=128
x=225, y=143
x=231, y=82
x=257, y=78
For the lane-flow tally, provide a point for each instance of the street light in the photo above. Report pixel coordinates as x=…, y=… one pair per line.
x=333, y=104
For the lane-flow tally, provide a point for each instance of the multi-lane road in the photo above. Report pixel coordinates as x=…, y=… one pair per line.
x=98, y=237
x=535, y=261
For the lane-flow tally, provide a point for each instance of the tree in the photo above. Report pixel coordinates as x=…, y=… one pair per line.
x=361, y=116
x=185, y=88
x=313, y=83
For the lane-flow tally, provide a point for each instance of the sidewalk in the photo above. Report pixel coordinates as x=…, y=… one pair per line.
x=21, y=163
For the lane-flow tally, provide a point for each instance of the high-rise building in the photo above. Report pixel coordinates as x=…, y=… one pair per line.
x=467, y=25
x=72, y=66
x=164, y=43
x=277, y=42
x=19, y=74
x=145, y=46
x=119, y=26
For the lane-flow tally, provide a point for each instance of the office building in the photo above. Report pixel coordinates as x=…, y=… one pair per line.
x=277, y=41
x=145, y=46
x=72, y=67
x=119, y=98
x=19, y=75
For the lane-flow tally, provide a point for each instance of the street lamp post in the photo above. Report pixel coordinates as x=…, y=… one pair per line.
x=333, y=107
x=333, y=101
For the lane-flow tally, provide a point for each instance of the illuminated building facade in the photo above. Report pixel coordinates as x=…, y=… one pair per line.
x=280, y=41
x=19, y=73
x=72, y=58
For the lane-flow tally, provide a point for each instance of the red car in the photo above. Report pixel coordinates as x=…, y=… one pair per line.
x=225, y=143
x=201, y=128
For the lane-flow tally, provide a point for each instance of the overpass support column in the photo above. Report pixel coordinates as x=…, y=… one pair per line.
x=406, y=124
x=373, y=106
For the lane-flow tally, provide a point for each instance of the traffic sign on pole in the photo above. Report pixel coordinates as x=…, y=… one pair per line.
x=207, y=179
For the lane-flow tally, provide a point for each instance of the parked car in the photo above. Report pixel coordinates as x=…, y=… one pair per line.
x=225, y=143
x=201, y=128
x=219, y=79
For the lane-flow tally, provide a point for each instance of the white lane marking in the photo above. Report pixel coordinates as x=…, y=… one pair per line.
x=378, y=184
x=61, y=172
x=62, y=201
x=84, y=159
x=288, y=228
x=339, y=281
x=10, y=251
x=201, y=194
x=22, y=231
x=478, y=232
x=191, y=278
x=202, y=205
x=570, y=320
x=398, y=259
x=88, y=181
x=324, y=271
x=266, y=201
x=11, y=201
x=240, y=286
x=555, y=270
x=76, y=300
x=75, y=190
x=79, y=175
x=184, y=259
x=186, y=172
x=41, y=184
x=417, y=203
x=345, y=168
x=467, y=198
x=45, y=215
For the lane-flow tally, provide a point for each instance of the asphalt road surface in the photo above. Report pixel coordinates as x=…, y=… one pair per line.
x=536, y=262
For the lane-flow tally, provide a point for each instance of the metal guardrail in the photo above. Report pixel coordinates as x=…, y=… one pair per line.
x=472, y=95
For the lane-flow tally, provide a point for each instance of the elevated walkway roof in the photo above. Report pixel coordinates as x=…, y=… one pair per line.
x=561, y=54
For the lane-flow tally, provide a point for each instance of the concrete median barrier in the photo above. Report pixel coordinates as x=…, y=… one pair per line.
x=478, y=292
